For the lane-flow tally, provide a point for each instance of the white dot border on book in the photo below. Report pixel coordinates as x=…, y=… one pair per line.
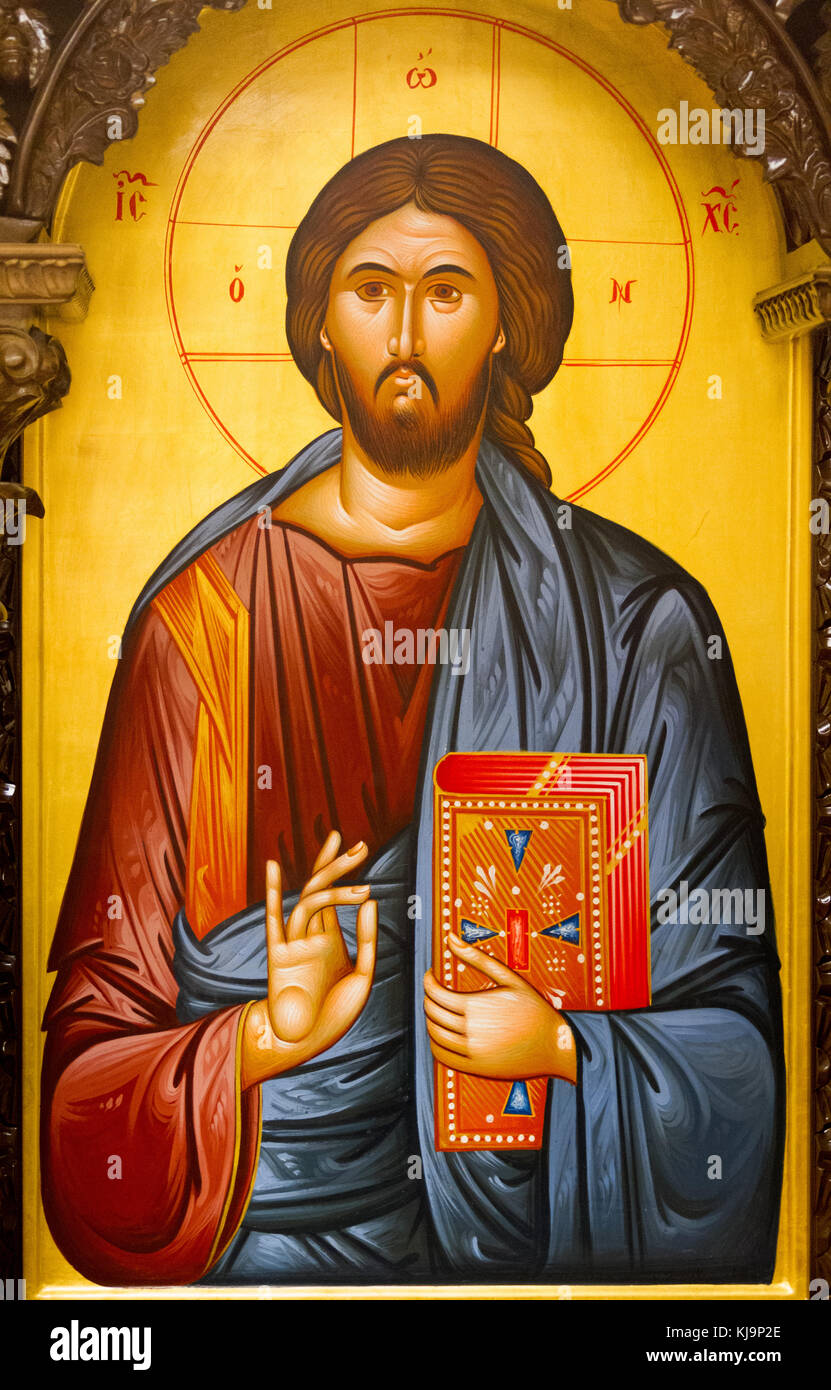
x=536, y=804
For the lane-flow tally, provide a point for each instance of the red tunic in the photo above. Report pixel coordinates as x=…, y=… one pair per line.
x=148, y=1144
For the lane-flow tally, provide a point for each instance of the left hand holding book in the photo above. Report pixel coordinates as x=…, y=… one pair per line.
x=506, y=1031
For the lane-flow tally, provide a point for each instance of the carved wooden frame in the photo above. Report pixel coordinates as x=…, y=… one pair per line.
x=106, y=63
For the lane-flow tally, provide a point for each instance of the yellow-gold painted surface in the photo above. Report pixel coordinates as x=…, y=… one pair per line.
x=146, y=445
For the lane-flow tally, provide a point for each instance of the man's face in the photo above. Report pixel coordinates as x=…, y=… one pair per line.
x=412, y=324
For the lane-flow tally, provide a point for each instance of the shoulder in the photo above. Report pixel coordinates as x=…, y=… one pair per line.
x=635, y=580
x=608, y=572
x=231, y=517
x=216, y=581
x=619, y=553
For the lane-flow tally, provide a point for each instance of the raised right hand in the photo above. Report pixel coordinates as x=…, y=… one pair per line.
x=314, y=992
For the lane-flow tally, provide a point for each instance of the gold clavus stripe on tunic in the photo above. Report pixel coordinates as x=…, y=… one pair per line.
x=209, y=624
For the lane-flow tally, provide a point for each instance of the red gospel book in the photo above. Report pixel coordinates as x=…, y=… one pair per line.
x=540, y=859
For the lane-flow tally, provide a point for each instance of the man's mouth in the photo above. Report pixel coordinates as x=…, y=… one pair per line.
x=404, y=377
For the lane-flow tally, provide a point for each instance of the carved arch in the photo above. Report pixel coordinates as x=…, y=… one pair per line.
x=100, y=73
x=740, y=48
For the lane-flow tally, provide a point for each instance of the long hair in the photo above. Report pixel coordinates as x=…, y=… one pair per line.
x=504, y=208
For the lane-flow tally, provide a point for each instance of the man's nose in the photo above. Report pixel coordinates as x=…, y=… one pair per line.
x=406, y=340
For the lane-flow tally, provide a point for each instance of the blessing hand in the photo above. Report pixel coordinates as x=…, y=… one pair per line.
x=509, y=1033
x=315, y=993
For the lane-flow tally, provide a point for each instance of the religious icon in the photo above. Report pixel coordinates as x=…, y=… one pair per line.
x=248, y=1017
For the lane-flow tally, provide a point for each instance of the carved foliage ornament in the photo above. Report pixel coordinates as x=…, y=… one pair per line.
x=34, y=377
x=40, y=274
x=738, y=47
x=822, y=793
x=94, y=91
x=740, y=50
x=7, y=139
x=795, y=308
x=24, y=43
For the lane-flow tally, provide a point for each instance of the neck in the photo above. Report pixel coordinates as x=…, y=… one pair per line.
x=429, y=514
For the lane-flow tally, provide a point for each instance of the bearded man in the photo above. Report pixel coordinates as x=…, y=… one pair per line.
x=235, y=1089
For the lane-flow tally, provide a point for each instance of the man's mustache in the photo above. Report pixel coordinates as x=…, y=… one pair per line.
x=398, y=369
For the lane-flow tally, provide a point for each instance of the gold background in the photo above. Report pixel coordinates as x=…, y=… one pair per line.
x=721, y=485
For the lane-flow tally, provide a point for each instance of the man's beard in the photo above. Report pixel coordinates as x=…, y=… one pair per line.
x=405, y=442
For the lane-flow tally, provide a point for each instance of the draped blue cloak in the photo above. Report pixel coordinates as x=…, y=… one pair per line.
x=664, y=1162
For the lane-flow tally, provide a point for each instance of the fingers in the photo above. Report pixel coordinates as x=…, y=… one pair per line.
x=345, y=1002
x=274, y=926
x=323, y=921
x=329, y=920
x=448, y=999
x=314, y=902
x=334, y=868
x=327, y=850
x=450, y=1042
x=367, y=941
x=494, y=969
x=457, y=1023
x=454, y=1060
x=317, y=925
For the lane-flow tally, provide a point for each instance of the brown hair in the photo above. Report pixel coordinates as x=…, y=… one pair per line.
x=503, y=207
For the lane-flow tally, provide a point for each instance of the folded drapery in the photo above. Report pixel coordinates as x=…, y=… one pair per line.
x=664, y=1161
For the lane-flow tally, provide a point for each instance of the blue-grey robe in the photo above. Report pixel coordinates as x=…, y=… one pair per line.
x=664, y=1162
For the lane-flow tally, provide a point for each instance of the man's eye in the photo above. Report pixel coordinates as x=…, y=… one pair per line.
x=445, y=294
x=373, y=289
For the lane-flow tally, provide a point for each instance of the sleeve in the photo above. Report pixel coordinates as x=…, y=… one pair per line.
x=148, y=1143
x=678, y=1115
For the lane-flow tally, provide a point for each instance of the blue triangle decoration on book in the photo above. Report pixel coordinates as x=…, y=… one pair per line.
x=519, y=1101
x=518, y=843
x=472, y=932
x=567, y=930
